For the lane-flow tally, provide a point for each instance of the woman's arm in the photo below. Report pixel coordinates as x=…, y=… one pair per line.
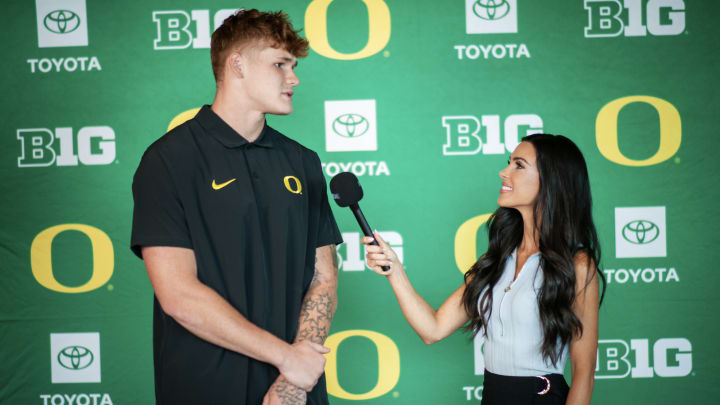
x=583, y=349
x=432, y=326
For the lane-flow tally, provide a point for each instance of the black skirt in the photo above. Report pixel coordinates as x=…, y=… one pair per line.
x=548, y=389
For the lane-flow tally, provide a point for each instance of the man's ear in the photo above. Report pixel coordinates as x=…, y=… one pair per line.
x=235, y=63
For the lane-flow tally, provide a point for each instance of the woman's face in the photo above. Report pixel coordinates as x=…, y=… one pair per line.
x=520, y=179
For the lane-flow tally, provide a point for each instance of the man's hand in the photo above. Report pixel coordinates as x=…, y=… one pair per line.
x=304, y=364
x=284, y=393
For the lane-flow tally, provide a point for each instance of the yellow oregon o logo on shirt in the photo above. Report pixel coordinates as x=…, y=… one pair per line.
x=466, y=242
x=41, y=258
x=378, y=29
x=606, y=131
x=295, y=187
x=388, y=364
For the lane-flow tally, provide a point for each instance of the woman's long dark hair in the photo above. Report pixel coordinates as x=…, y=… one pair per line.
x=565, y=228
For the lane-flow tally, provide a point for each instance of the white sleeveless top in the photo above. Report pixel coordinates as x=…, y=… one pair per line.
x=514, y=333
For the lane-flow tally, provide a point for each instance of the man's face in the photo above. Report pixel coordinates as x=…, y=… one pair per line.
x=268, y=79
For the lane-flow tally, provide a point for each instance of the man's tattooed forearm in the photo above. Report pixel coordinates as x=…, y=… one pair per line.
x=326, y=274
x=320, y=302
x=315, y=317
x=288, y=393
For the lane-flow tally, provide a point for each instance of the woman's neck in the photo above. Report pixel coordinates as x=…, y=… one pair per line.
x=531, y=239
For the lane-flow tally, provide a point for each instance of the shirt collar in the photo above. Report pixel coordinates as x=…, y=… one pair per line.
x=226, y=135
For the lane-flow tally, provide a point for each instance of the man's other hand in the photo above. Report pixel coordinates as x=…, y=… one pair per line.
x=304, y=364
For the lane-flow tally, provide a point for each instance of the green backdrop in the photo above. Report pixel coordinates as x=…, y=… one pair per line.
x=423, y=100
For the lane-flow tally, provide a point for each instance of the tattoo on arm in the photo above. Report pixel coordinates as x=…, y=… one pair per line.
x=316, y=314
x=315, y=274
x=320, y=302
x=315, y=317
x=288, y=393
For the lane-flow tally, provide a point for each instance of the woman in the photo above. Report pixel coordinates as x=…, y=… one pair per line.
x=534, y=295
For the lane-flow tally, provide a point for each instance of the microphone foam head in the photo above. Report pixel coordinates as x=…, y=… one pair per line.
x=345, y=189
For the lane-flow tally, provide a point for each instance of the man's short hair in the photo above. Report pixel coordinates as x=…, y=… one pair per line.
x=248, y=26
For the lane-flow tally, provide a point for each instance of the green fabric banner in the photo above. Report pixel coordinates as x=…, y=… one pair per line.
x=422, y=100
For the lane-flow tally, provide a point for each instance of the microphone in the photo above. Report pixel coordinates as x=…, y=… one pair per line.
x=346, y=192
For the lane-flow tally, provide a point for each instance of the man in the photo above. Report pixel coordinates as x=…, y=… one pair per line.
x=233, y=223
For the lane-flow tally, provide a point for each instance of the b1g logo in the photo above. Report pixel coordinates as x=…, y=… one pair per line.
x=174, y=28
x=671, y=357
x=462, y=133
x=75, y=357
x=609, y=18
x=640, y=232
x=38, y=146
x=350, y=125
x=354, y=259
x=61, y=23
x=490, y=16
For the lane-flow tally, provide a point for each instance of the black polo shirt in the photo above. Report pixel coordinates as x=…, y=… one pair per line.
x=253, y=213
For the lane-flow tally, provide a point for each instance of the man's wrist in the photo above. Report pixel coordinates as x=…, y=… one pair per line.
x=281, y=354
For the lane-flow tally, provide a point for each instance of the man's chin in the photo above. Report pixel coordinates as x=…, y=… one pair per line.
x=284, y=111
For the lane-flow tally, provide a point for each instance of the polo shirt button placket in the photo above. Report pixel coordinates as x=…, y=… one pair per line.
x=253, y=172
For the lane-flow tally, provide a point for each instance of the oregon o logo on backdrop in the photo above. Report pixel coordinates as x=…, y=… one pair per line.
x=388, y=364
x=466, y=242
x=182, y=117
x=378, y=29
x=606, y=130
x=41, y=258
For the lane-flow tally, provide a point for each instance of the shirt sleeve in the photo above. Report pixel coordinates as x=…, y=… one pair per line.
x=158, y=215
x=328, y=232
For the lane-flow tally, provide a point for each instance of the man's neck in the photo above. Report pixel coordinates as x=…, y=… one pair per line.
x=246, y=123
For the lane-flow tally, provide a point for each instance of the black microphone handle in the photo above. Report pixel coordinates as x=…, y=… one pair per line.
x=365, y=227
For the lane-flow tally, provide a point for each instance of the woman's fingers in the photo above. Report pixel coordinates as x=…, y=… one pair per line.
x=367, y=240
x=380, y=240
x=377, y=269
x=379, y=255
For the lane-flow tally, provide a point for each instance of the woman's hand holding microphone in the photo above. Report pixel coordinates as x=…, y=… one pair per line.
x=381, y=255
